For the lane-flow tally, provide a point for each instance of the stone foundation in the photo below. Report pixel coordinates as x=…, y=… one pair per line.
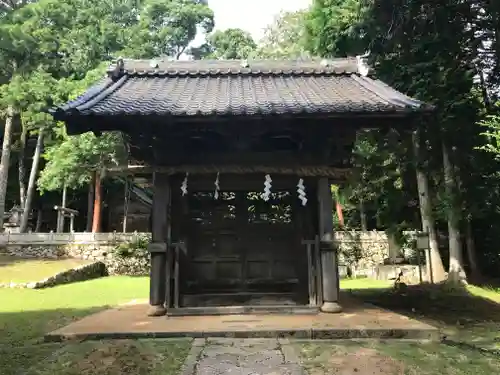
x=363, y=253
x=136, y=263
x=96, y=251
x=360, y=253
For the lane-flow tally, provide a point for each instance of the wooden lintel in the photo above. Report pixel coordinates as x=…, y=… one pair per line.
x=304, y=171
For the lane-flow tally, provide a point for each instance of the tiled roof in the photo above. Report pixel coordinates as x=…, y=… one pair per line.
x=208, y=88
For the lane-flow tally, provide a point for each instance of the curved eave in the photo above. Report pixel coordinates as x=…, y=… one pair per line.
x=393, y=96
x=89, y=98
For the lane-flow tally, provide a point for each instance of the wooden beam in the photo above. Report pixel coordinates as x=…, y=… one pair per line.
x=304, y=171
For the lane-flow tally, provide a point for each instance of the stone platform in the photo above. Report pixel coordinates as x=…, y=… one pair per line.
x=357, y=321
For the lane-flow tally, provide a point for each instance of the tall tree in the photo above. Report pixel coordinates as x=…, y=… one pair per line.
x=424, y=50
x=167, y=27
x=334, y=27
x=231, y=44
x=285, y=37
x=19, y=55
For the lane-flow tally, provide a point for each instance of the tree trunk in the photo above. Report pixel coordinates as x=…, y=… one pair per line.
x=32, y=182
x=362, y=214
x=126, y=204
x=90, y=204
x=456, y=272
x=434, y=263
x=22, y=168
x=96, y=222
x=39, y=218
x=61, y=217
x=340, y=214
x=475, y=273
x=5, y=161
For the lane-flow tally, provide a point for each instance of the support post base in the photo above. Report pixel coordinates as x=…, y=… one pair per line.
x=157, y=311
x=331, y=308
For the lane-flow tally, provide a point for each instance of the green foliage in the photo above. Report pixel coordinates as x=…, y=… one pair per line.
x=137, y=248
x=131, y=258
x=492, y=125
x=231, y=44
x=333, y=28
x=166, y=27
x=54, y=50
x=73, y=161
x=382, y=178
x=352, y=252
x=285, y=37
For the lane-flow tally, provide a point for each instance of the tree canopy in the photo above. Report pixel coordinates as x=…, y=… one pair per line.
x=443, y=52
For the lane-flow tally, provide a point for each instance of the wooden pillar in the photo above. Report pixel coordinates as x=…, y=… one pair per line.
x=96, y=221
x=329, y=261
x=158, y=246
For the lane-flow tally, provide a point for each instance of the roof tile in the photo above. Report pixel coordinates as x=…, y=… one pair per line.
x=208, y=88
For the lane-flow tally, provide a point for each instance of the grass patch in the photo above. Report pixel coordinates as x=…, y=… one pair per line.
x=364, y=283
x=134, y=357
x=393, y=358
x=26, y=315
x=23, y=270
x=470, y=314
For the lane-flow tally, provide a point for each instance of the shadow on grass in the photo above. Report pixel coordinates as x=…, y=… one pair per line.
x=22, y=351
x=21, y=336
x=28, y=327
x=460, y=315
x=450, y=306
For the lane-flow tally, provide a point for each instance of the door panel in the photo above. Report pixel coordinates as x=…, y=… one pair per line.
x=241, y=243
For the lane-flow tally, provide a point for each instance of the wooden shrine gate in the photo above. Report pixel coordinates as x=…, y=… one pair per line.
x=243, y=249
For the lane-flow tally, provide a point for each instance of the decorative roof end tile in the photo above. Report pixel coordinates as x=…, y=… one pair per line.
x=363, y=67
x=154, y=64
x=118, y=70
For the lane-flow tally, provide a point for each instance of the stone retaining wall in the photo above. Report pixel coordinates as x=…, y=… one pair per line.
x=361, y=251
x=100, y=251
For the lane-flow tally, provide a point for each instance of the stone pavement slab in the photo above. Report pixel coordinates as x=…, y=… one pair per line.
x=357, y=321
x=242, y=357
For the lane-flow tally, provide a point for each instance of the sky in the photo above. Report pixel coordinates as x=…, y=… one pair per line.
x=251, y=15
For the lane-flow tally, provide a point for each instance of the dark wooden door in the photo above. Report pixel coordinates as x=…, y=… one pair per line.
x=240, y=243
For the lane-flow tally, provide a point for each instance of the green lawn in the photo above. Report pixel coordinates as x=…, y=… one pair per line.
x=23, y=270
x=364, y=283
x=471, y=316
x=25, y=315
x=393, y=358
